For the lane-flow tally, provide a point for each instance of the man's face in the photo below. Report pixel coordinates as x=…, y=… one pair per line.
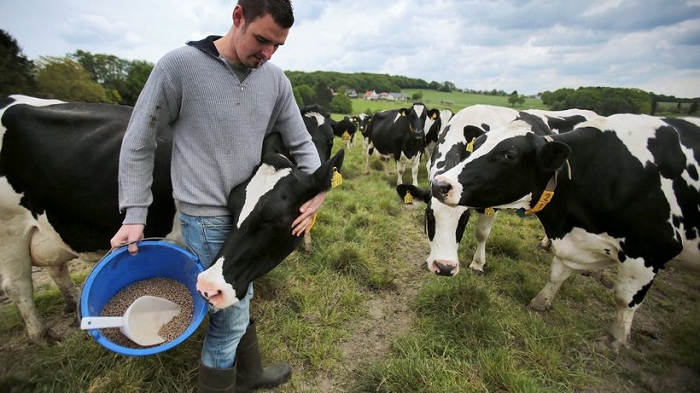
x=259, y=40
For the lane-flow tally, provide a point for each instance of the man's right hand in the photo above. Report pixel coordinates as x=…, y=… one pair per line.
x=128, y=233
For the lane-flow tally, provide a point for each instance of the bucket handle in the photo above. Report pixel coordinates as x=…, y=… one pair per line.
x=177, y=243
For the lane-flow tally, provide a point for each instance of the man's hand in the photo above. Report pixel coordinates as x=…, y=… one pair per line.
x=128, y=233
x=308, y=210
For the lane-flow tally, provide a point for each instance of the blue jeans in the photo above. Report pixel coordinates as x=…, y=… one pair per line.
x=206, y=235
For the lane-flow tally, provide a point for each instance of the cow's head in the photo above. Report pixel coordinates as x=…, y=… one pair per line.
x=506, y=167
x=319, y=124
x=415, y=117
x=435, y=121
x=444, y=225
x=263, y=209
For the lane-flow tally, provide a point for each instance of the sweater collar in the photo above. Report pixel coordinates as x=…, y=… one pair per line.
x=206, y=45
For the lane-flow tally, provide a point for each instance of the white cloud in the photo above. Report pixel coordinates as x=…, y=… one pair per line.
x=529, y=46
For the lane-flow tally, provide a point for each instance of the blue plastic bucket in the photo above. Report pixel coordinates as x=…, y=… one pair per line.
x=118, y=269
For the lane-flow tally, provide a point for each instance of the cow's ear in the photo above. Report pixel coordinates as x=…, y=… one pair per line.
x=403, y=112
x=472, y=132
x=324, y=174
x=415, y=192
x=553, y=155
x=433, y=114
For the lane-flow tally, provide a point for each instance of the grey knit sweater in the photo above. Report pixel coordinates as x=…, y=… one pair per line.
x=218, y=125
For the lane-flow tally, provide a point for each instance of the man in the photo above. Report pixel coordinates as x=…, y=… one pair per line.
x=220, y=97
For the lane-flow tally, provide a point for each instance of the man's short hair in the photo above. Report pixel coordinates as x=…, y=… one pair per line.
x=280, y=10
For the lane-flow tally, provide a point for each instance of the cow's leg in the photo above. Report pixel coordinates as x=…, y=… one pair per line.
x=415, y=167
x=545, y=244
x=368, y=153
x=633, y=281
x=61, y=276
x=307, y=241
x=558, y=274
x=400, y=169
x=47, y=253
x=17, y=284
x=481, y=232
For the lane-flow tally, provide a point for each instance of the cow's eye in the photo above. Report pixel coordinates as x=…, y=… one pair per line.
x=509, y=156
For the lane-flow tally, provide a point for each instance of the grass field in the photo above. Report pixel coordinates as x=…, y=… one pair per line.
x=442, y=100
x=359, y=313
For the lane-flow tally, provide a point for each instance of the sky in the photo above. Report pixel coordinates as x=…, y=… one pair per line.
x=526, y=46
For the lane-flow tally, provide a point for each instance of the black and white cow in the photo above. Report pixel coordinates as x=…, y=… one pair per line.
x=435, y=123
x=362, y=120
x=319, y=124
x=445, y=224
x=58, y=193
x=263, y=209
x=398, y=134
x=345, y=129
x=622, y=190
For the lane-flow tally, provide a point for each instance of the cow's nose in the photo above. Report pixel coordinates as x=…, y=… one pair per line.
x=441, y=189
x=444, y=269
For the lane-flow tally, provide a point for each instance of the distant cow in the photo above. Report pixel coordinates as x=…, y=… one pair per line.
x=319, y=125
x=345, y=129
x=621, y=190
x=362, y=120
x=58, y=193
x=263, y=209
x=445, y=225
x=435, y=122
x=398, y=134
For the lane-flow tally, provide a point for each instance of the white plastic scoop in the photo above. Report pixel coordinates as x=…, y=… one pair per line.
x=141, y=321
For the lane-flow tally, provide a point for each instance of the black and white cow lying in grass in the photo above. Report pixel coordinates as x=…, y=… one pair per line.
x=445, y=225
x=621, y=190
x=263, y=209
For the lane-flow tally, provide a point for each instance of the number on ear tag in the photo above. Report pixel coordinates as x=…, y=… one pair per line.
x=408, y=198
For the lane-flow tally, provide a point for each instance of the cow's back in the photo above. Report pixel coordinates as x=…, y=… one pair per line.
x=64, y=160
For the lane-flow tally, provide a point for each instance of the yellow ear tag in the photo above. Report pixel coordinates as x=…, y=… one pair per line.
x=408, y=198
x=434, y=116
x=470, y=145
x=489, y=211
x=346, y=136
x=337, y=178
x=313, y=222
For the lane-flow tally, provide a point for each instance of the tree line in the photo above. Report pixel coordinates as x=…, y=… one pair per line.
x=88, y=77
x=609, y=100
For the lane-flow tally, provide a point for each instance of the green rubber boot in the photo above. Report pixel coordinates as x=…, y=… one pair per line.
x=250, y=374
x=216, y=380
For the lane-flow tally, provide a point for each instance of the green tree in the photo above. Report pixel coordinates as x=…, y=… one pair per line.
x=136, y=78
x=417, y=96
x=603, y=100
x=341, y=104
x=323, y=94
x=514, y=98
x=66, y=79
x=306, y=93
x=122, y=79
x=16, y=71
